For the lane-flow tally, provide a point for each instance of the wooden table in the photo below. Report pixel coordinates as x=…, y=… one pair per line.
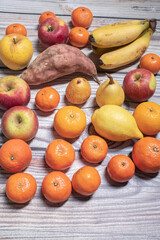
x=115, y=211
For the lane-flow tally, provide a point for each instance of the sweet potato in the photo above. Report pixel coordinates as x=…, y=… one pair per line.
x=57, y=61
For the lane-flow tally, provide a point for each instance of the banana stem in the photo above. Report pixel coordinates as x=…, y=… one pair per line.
x=152, y=24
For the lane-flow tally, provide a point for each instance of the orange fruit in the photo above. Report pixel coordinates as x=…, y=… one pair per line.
x=69, y=121
x=78, y=37
x=147, y=116
x=21, y=187
x=56, y=187
x=47, y=99
x=82, y=17
x=16, y=28
x=15, y=155
x=60, y=154
x=94, y=149
x=150, y=62
x=146, y=154
x=46, y=15
x=86, y=180
x=121, y=168
x=78, y=90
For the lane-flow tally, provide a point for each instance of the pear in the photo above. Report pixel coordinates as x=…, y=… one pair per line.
x=110, y=92
x=115, y=123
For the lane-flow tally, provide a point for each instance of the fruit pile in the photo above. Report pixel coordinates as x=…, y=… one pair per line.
x=118, y=45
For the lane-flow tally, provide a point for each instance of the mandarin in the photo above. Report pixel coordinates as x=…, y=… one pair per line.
x=150, y=62
x=21, y=187
x=56, y=187
x=94, y=149
x=146, y=154
x=47, y=99
x=69, y=121
x=16, y=28
x=147, y=116
x=46, y=15
x=78, y=37
x=15, y=155
x=86, y=180
x=121, y=168
x=60, y=154
x=82, y=17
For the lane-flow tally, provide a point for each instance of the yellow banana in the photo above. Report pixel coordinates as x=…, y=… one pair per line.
x=120, y=34
x=126, y=54
x=100, y=51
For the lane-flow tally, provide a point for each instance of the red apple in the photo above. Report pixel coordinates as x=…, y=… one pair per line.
x=52, y=31
x=139, y=85
x=19, y=122
x=14, y=91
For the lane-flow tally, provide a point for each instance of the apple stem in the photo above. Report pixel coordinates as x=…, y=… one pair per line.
x=14, y=40
x=110, y=78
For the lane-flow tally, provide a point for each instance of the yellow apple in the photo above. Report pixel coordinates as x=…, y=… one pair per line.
x=16, y=51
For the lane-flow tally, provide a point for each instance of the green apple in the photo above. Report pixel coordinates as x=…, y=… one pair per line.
x=19, y=122
x=16, y=51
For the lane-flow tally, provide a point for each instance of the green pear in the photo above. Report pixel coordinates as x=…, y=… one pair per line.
x=110, y=92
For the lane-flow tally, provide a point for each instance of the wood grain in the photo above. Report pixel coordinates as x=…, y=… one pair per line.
x=115, y=211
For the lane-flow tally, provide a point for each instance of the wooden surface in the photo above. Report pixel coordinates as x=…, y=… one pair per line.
x=115, y=211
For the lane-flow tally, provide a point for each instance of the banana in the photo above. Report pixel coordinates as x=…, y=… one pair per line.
x=120, y=33
x=126, y=54
x=100, y=51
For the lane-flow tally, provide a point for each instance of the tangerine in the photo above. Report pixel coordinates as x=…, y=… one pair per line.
x=94, y=149
x=46, y=15
x=56, y=187
x=69, y=121
x=21, y=187
x=47, y=99
x=150, y=62
x=60, y=154
x=146, y=154
x=86, y=180
x=16, y=28
x=15, y=155
x=147, y=116
x=82, y=17
x=78, y=37
x=121, y=168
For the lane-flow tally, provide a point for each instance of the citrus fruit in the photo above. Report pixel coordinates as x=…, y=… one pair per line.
x=60, y=154
x=121, y=168
x=69, y=121
x=47, y=99
x=146, y=154
x=21, y=187
x=16, y=28
x=147, y=116
x=56, y=187
x=78, y=37
x=94, y=149
x=150, y=62
x=46, y=15
x=82, y=17
x=15, y=155
x=86, y=180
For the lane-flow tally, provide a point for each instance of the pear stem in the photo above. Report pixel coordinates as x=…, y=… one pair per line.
x=110, y=78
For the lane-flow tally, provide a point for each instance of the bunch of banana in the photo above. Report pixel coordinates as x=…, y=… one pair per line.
x=122, y=43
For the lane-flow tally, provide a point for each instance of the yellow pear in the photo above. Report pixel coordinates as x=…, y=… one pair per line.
x=115, y=123
x=110, y=92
